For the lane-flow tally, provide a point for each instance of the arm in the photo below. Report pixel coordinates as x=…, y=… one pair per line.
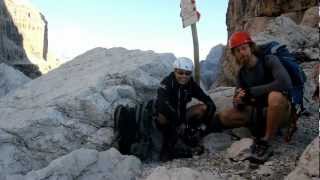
x=281, y=82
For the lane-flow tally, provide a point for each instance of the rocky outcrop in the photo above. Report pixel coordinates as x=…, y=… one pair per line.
x=24, y=37
x=10, y=79
x=211, y=65
x=252, y=16
x=72, y=107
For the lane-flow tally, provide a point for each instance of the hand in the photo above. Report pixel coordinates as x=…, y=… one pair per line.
x=238, y=96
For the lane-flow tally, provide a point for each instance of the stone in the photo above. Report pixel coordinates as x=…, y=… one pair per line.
x=240, y=150
x=10, y=79
x=162, y=173
x=308, y=165
x=85, y=164
x=311, y=17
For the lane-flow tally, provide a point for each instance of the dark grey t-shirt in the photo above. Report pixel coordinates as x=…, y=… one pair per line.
x=265, y=77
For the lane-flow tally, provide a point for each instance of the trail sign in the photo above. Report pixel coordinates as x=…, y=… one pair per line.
x=189, y=12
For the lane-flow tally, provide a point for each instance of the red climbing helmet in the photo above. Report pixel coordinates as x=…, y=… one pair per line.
x=239, y=38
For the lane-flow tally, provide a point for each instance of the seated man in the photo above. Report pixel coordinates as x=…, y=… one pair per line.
x=175, y=91
x=261, y=97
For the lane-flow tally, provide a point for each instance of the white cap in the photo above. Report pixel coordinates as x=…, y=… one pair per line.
x=183, y=63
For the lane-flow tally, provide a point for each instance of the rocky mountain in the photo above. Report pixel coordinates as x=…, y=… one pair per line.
x=24, y=38
x=294, y=23
x=211, y=65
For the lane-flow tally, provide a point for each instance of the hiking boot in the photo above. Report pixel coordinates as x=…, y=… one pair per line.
x=260, y=152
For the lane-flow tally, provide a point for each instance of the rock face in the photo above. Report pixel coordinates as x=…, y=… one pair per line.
x=24, y=37
x=210, y=66
x=10, y=79
x=71, y=107
x=253, y=16
x=262, y=16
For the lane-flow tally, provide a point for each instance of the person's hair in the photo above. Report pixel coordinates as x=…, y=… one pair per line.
x=254, y=49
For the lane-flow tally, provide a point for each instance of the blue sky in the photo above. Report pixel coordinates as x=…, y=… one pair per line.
x=76, y=26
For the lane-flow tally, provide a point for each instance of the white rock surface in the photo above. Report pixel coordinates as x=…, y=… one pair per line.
x=10, y=79
x=297, y=38
x=308, y=166
x=239, y=150
x=162, y=173
x=84, y=164
x=71, y=107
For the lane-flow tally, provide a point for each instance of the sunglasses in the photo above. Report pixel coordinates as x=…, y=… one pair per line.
x=182, y=72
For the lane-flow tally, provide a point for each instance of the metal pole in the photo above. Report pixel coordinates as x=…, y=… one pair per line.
x=196, y=53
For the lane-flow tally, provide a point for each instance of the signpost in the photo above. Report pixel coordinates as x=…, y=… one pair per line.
x=190, y=16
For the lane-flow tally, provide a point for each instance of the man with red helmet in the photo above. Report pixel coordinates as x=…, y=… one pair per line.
x=260, y=100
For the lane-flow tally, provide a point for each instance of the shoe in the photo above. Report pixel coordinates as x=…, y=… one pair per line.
x=260, y=152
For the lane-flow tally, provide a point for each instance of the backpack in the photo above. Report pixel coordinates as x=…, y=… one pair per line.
x=135, y=130
x=295, y=72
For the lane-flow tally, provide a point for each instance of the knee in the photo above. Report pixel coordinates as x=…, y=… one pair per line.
x=277, y=100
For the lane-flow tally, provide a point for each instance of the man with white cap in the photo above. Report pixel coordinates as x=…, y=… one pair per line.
x=175, y=91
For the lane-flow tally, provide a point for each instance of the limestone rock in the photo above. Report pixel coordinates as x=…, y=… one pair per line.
x=85, y=164
x=308, y=165
x=311, y=17
x=240, y=150
x=162, y=173
x=72, y=106
x=243, y=12
x=10, y=79
x=222, y=97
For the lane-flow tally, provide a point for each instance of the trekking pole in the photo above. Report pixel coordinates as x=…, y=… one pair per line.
x=190, y=16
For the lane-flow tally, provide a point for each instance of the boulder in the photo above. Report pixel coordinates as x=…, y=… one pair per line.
x=240, y=150
x=311, y=17
x=308, y=165
x=85, y=164
x=10, y=79
x=72, y=106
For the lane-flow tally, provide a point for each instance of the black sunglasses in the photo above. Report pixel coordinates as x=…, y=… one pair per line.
x=182, y=72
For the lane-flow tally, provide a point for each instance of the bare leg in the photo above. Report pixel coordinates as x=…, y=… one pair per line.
x=233, y=118
x=278, y=112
